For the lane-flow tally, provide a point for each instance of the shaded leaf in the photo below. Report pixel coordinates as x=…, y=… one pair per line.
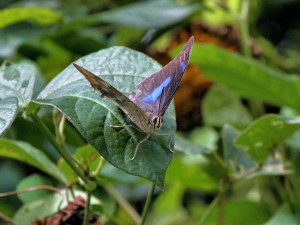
x=221, y=105
x=28, y=154
x=286, y=214
x=33, y=180
x=184, y=145
x=150, y=15
x=239, y=162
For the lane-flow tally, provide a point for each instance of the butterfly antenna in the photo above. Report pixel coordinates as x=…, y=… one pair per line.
x=138, y=145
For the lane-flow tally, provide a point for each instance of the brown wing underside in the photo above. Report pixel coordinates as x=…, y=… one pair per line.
x=135, y=114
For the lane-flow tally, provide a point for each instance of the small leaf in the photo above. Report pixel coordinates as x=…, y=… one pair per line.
x=264, y=134
x=96, y=117
x=247, y=77
x=87, y=156
x=16, y=89
x=221, y=105
x=150, y=15
x=28, y=154
x=205, y=136
x=184, y=145
x=34, y=180
x=41, y=15
x=237, y=160
x=189, y=171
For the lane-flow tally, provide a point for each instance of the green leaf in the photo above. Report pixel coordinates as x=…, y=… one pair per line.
x=247, y=77
x=264, y=134
x=28, y=154
x=40, y=15
x=184, y=145
x=237, y=160
x=38, y=209
x=221, y=105
x=87, y=156
x=16, y=89
x=8, y=112
x=206, y=137
x=31, y=181
x=93, y=115
x=150, y=15
x=286, y=214
x=189, y=170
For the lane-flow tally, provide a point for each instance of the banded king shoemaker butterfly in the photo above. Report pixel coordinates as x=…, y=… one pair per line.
x=147, y=104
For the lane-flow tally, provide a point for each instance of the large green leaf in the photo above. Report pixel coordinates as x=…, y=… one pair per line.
x=93, y=115
x=247, y=77
x=28, y=154
x=150, y=15
x=41, y=15
x=264, y=134
x=221, y=105
x=16, y=89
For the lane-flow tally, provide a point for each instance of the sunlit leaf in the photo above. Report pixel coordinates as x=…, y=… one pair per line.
x=40, y=15
x=16, y=89
x=247, y=77
x=264, y=134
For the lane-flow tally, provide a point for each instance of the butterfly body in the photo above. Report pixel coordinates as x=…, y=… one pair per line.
x=147, y=104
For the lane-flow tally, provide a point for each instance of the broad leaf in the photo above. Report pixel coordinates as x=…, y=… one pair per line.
x=96, y=118
x=28, y=154
x=41, y=15
x=247, y=77
x=221, y=105
x=150, y=15
x=16, y=89
x=264, y=134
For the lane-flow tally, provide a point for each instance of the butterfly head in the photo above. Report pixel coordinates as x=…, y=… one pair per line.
x=156, y=121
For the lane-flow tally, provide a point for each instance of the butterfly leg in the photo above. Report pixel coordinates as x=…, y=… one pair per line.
x=138, y=145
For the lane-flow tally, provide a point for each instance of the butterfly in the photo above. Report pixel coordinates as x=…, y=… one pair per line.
x=147, y=104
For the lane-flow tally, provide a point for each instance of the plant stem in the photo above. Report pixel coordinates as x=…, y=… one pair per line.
x=209, y=210
x=62, y=151
x=147, y=204
x=87, y=208
x=123, y=203
x=244, y=29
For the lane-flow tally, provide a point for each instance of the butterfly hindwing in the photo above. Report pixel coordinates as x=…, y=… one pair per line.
x=154, y=94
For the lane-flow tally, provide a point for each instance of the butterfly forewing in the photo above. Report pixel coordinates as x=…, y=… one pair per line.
x=154, y=94
x=135, y=114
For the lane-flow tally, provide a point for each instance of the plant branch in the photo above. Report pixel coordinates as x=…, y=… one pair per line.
x=62, y=151
x=147, y=204
x=87, y=208
x=123, y=203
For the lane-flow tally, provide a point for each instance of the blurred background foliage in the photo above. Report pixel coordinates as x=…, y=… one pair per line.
x=221, y=106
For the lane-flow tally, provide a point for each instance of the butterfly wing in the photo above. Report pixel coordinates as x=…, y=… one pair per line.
x=135, y=114
x=154, y=94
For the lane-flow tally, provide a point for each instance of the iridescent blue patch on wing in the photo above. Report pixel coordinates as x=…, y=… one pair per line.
x=182, y=66
x=153, y=96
